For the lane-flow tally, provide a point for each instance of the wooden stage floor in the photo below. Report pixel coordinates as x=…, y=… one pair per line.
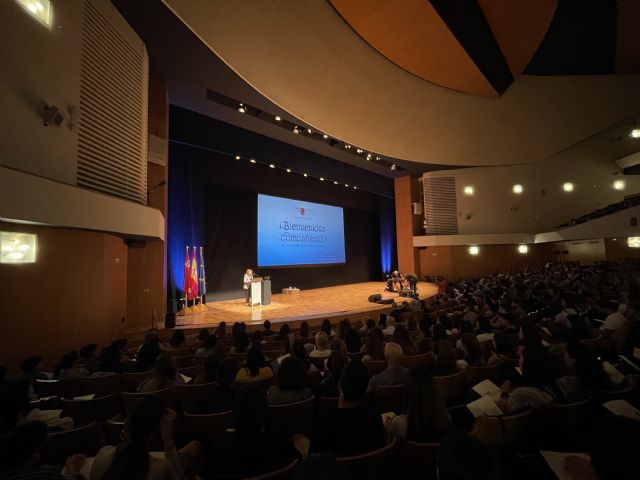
x=318, y=303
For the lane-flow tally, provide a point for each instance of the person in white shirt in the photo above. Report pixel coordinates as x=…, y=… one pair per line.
x=615, y=320
x=248, y=277
x=322, y=349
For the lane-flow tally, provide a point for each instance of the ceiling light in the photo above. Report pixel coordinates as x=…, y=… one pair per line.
x=355, y=188
x=40, y=9
x=288, y=170
x=322, y=179
x=474, y=250
x=618, y=185
x=347, y=146
x=271, y=165
x=567, y=187
x=308, y=130
x=359, y=150
x=252, y=160
x=518, y=189
x=295, y=130
x=335, y=183
x=633, y=242
x=237, y=157
x=278, y=118
x=305, y=175
x=635, y=133
x=523, y=249
x=377, y=158
x=468, y=190
x=16, y=247
x=325, y=136
x=368, y=156
x=393, y=166
x=242, y=108
x=346, y=184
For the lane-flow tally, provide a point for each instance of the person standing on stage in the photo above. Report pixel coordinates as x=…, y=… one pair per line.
x=248, y=277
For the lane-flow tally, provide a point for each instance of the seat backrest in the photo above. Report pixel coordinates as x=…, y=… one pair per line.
x=272, y=345
x=130, y=381
x=185, y=361
x=103, y=384
x=61, y=445
x=623, y=393
x=374, y=465
x=191, y=372
x=411, y=361
x=207, y=428
x=294, y=417
x=318, y=362
x=98, y=409
x=263, y=384
x=189, y=394
x=498, y=430
x=375, y=366
x=327, y=405
x=491, y=372
x=561, y=422
x=241, y=358
x=355, y=355
x=130, y=398
x=58, y=388
x=419, y=461
x=390, y=399
x=452, y=387
x=283, y=473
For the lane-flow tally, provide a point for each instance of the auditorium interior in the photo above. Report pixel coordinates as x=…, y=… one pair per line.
x=313, y=239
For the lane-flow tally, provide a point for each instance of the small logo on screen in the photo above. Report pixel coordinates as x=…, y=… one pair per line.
x=301, y=210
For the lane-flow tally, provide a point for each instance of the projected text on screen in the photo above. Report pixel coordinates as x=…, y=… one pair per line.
x=295, y=232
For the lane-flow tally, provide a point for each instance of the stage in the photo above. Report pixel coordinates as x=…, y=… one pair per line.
x=344, y=301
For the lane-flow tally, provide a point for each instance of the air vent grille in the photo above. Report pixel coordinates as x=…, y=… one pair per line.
x=113, y=132
x=440, y=206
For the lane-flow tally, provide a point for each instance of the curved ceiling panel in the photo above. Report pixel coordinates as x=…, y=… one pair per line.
x=412, y=35
x=305, y=58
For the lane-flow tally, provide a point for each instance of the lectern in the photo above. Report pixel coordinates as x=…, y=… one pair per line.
x=261, y=291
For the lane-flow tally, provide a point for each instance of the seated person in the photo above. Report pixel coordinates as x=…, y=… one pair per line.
x=209, y=368
x=178, y=342
x=220, y=399
x=588, y=373
x=111, y=360
x=68, y=367
x=328, y=387
x=469, y=348
x=253, y=446
x=291, y=383
x=241, y=343
x=256, y=368
x=87, y=357
x=462, y=457
x=267, y=332
x=208, y=348
x=374, y=346
x=504, y=348
x=427, y=418
x=352, y=341
x=305, y=333
x=164, y=375
x=395, y=373
x=322, y=349
x=351, y=429
x=401, y=337
x=445, y=356
x=131, y=459
x=298, y=350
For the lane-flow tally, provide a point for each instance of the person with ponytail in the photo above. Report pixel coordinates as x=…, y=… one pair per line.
x=131, y=460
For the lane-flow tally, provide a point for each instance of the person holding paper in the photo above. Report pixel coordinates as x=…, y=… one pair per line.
x=246, y=285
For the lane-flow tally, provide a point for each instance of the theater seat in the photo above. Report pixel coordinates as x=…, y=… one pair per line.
x=103, y=384
x=294, y=417
x=283, y=473
x=61, y=445
x=452, y=387
x=497, y=431
x=376, y=465
x=561, y=424
x=189, y=394
x=86, y=411
x=263, y=384
x=130, y=381
x=411, y=361
x=390, y=399
x=207, y=428
x=419, y=461
x=58, y=388
x=491, y=372
x=129, y=398
x=375, y=366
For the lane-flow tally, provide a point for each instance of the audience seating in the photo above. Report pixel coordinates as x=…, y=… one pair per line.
x=184, y=362
x=625, y=392
x=314, y=378
x=375, y=366
x=87, y=411
x=191, y=372
x=327, y=405
x=284, y=473
x=390, y=399
x=189, y=394
x=318, y=362
x=58, y=388
x=294, y=417
x=560, y=424
x=263, y=384
x=130, y=381
x=103, y=384
x=130, y=398
x=355, y=355
x=374, y=465
x=113, y=429
x=421, y=360
x=183, y=352
x=452, y=387
x=273, y=345
x=496, y=431
x=207, y=428
x=418, y=461
x=59, y=446
x=241, y=358
x=491, y=372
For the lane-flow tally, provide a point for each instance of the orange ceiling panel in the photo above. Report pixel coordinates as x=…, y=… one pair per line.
x=411, y=34
x=519, y=26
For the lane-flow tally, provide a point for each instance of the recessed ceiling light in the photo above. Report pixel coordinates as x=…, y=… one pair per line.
x=368, y=156
x=393, y=166
x=346, y=184
x=325, y=136
x=359, y=150
x=252, y=160
x=335, y=183
x=474, y=250
x=308, y=130
x=523, y=249
x=305, y=175
x=618, y=185
x=518, y=189
x=633, y=242
x=242, y=108
x=635, y=133
x=271, y=165
x=567, y=187
x=468, y=190
x=288, y=170
x=237, y=157
x=322, y=179
x=296, y=130
x=377, y=158
x=355, y=188
x=278, y=118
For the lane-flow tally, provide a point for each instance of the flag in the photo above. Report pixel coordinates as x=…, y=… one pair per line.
x=186, y=283
x=194, y=274
x=202, y=287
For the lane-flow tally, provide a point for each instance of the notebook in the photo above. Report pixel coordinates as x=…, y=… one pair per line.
x=484, y=405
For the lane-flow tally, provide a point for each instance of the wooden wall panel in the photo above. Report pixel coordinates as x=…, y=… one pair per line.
x=405, y=192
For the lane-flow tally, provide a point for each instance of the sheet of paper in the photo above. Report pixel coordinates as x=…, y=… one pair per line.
x=614, y=374
x=91, y=396
x=636, y=352
x=484, y=405
x=623, y=408
x=484, y=337
x=519, y=370
x=185, y=379
x=555, y=460
x=485, y=387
